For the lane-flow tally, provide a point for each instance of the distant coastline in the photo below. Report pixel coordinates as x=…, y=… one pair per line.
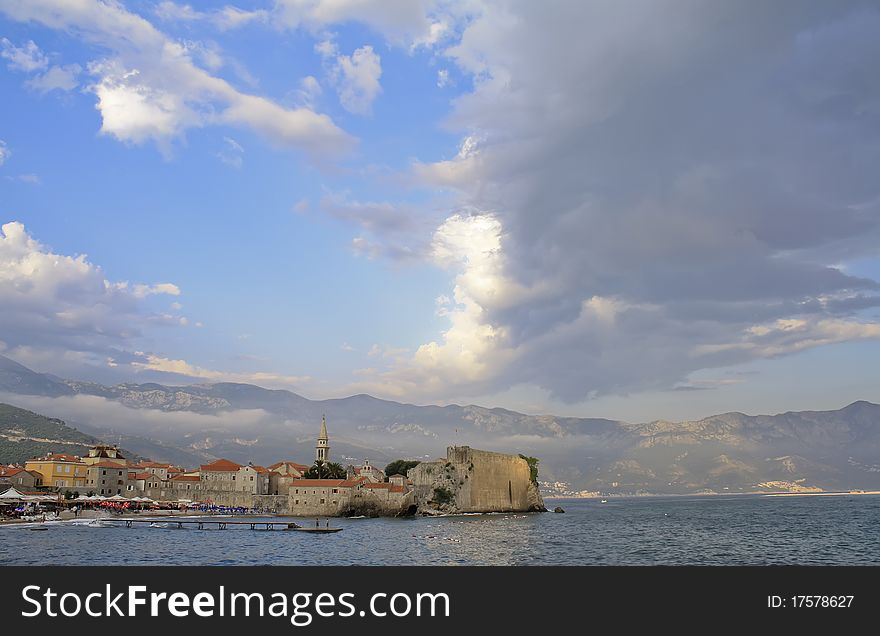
x=717, y=494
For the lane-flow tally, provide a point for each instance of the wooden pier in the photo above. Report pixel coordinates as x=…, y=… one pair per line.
x=224, y=524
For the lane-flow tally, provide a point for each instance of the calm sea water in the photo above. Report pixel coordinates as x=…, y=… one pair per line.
x=745, y=530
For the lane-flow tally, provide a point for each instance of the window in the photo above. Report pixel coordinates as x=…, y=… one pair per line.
x=103, y=472
x=322, y=501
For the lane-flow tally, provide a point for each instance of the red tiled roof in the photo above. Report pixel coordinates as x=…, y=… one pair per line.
x=186, y=478
x=260, y=469
x=221, y=465
x=141, y=475
x=110, y=465
x=58, y=457
x=300, y=467
x=10, y=471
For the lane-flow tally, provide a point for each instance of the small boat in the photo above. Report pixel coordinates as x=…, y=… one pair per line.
x=604, y=501
x=42, y=529
x=99, y=523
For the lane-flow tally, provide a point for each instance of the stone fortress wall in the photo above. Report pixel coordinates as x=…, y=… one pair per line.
x=472, y=480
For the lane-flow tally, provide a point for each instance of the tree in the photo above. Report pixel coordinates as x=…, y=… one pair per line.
x=533, y=468
x=325, y=470
x=400, y=467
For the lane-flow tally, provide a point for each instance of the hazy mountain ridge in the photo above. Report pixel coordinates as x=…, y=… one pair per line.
x=729, y=452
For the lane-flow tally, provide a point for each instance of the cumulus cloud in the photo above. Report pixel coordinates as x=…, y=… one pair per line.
x=5, y=152
x=26, y=58
x=65, y=304
x=150, y=88
x=29, y=58
x=57, y=78
x=355, y=76
x=677, y=194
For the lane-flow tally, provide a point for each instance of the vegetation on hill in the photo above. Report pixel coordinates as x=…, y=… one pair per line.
x=24, y=435
x=400, y=467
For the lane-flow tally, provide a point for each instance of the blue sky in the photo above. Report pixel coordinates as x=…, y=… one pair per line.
x=584, y=210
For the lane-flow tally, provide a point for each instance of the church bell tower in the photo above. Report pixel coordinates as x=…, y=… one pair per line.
x=322, y=449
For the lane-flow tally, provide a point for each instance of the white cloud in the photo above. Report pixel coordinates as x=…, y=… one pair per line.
x=53, y=302
x=100, y=412
x=355, y=76
x=232, y=154
x=308, y=92
x=5, y=152
x=149, y=88
x=27, y=58
x=224, y=19
x=443, y=78
x=167, y=10
x=401, y=22
x=31, y=179
x=301, y=206
x=151, y=362
x=61, y=78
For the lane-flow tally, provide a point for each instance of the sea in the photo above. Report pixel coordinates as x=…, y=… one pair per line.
x=707, y=530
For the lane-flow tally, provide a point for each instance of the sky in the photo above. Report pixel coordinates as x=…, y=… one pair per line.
x=635, y=210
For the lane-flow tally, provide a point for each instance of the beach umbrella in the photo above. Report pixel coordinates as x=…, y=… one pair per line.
x=12, y=494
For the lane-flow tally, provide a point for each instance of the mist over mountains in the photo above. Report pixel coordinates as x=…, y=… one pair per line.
x=730, y=452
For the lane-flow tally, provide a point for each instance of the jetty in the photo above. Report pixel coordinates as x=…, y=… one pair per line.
x=223, y=524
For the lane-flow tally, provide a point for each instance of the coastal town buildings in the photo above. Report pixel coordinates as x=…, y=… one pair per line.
x=59, y=470
x=108, y=478
x=18, y=477
x=368, y=471
x=282, y=474
x=109, y=454
x=283, y=486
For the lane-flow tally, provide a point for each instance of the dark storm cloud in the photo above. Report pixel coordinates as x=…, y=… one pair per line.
x=709, y=167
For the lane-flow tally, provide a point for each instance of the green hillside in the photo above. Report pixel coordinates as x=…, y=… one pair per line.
x=24, y=435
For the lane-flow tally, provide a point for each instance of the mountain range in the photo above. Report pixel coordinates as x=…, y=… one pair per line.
x=730, y=452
